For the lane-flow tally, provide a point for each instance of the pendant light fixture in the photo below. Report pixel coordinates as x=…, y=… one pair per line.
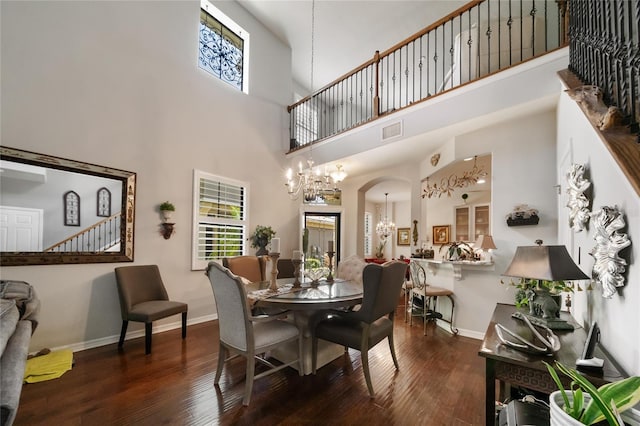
x=385, y=227
x=309, y=181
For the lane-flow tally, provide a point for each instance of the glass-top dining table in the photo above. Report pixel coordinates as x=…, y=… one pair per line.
x=326, y=295
x=304, y=302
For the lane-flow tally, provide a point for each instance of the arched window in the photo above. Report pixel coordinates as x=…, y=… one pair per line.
x=71, y=208
x=104, y=203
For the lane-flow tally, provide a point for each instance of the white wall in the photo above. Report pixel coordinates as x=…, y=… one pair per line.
x=117, y=84
x=618, y=317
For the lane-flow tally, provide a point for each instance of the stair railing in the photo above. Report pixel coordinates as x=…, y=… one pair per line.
x=477, y=40
x=99, y=237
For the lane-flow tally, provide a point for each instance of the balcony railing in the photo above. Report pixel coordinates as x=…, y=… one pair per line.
x=479, y=39
x=605, y=52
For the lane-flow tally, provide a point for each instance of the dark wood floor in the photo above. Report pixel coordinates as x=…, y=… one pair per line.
x=440, y=382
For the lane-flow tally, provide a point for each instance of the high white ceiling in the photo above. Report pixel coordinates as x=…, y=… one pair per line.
x=347, y=32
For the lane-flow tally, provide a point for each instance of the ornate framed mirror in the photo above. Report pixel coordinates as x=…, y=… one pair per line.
x=34, y=222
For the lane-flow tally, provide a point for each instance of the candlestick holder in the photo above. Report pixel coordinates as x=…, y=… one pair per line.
x=296, y=272
x=274, y=271
x=330, y=276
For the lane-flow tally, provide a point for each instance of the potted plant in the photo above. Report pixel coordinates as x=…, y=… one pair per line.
x=458, y=251
x=524, y=285
x=261, y=236
x=583, y=404
x=380, y=249
x=167, y=210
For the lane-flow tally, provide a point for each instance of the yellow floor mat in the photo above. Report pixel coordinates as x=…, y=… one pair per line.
x=48, y=367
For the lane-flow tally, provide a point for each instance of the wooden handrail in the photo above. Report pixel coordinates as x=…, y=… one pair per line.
x=398, y=77
x=84, y=231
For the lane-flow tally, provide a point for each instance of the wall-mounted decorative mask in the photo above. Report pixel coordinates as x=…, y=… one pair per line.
x=609, y=267
x=578, y=203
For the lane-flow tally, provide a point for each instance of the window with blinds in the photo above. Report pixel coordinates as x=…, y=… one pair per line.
x=306, y=123
x=220, y=205
x=368, y=233
x=223, y=47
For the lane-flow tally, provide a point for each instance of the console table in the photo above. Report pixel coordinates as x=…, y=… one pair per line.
x=513, y=367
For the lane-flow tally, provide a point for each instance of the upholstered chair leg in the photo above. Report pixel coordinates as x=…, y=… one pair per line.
x=147, y=338
x=314, y=353
x=365, y=368
x=123, y=332
x=300, y=360
x=184, y=325
x=248, y=386
x=222, y=356
x=393, y=351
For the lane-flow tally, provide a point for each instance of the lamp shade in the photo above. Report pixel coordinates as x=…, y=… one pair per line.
x=485, y=242
x=551, y=263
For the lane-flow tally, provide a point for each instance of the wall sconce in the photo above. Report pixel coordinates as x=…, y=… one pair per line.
x=166, y=210
x=167, y=230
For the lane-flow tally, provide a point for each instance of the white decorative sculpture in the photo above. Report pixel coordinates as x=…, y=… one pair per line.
x=578, y=202
x=609, y=267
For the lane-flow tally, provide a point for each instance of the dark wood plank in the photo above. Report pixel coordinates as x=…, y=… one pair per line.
x=440, y=382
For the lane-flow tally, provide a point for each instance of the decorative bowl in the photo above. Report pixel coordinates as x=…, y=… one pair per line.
x=315, y=274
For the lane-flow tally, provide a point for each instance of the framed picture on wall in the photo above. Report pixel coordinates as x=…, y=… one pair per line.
x=441, y=234
x=403, y=236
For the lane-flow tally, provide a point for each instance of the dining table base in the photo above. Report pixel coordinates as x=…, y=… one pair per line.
x=327, y=351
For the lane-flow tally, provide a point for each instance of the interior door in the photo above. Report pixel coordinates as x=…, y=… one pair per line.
x=20, y=229
x=323, y=228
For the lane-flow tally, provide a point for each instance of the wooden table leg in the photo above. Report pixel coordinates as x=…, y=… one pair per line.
x=490, y=392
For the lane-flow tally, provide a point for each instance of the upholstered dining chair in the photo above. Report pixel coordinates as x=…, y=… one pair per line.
x=286, y=268
x=429, y=295
x=144, y=298
x=364, y=328
x=252, y=268
x=243, y=334
x=351, y=268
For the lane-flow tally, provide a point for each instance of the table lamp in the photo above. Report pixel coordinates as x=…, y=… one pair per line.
x=485, y=243
x=548, y=263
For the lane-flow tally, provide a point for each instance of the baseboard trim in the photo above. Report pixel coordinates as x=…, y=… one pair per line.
x=103, y=341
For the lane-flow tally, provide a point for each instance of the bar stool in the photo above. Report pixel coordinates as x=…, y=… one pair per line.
x=429, y=295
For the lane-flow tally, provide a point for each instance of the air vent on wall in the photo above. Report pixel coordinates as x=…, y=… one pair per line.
x=392, y=131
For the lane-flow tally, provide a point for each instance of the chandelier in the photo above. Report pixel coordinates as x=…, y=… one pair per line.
x=311, y=183
x=385, y=227
x=448, y=185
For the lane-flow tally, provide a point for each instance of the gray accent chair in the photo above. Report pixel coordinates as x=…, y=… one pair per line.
x=244, y=334
x=252, y=268
x=364, y=328
x=286, y=268
x=143, y=298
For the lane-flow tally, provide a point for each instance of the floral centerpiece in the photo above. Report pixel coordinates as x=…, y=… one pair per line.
x=260, y=237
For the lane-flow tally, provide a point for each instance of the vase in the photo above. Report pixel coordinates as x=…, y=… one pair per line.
x=558, y=416
x=262, y=249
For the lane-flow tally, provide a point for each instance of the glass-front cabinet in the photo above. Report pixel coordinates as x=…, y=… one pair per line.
x=472, y=221
x=463, y=224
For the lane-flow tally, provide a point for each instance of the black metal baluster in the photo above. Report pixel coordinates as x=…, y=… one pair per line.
x=488, y=34
x=451, y=51
x=533, y=27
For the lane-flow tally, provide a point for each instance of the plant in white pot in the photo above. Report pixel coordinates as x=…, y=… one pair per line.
x=167, y=209
x=583, y=404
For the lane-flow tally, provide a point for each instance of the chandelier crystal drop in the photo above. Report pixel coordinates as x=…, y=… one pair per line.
x=448, y=185
x=385, y=227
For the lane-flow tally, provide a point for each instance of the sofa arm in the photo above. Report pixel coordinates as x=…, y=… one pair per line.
x=12, y=365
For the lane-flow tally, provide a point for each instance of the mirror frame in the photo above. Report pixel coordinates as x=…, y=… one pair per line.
x=127, y=209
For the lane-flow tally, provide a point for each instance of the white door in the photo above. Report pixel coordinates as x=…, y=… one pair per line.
x=20, y=229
